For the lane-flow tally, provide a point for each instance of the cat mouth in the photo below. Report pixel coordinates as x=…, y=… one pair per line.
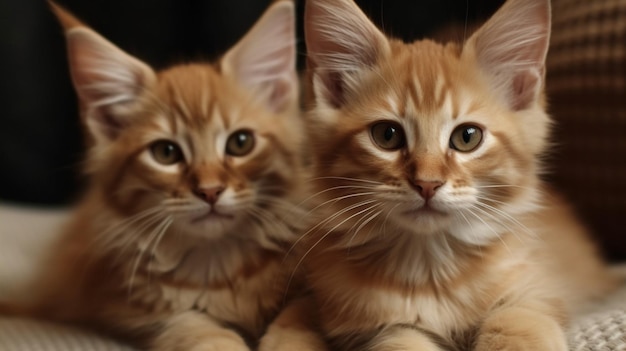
x=212, y=215
x=425, y=210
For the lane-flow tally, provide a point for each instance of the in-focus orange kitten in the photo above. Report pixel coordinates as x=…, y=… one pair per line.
x=435, y=231
x=194, y=179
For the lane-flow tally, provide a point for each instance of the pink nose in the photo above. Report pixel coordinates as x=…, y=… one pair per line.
x=210, y=194
x=427, y=189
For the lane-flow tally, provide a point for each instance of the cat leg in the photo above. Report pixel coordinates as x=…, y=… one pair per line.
x=194, y=331
x=294, y=329
x=520, y=329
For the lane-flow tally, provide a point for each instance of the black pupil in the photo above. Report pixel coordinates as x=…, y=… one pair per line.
x=241, y=139
x=389, y=133
x=169, y=151
x=467, y=134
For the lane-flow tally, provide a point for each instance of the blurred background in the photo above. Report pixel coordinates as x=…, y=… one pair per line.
x=41, y=141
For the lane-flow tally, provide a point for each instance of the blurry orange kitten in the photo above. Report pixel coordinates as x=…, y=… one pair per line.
x=437, y=232
x=195, y=172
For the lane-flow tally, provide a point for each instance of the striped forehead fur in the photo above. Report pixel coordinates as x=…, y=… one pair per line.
x=191, y=91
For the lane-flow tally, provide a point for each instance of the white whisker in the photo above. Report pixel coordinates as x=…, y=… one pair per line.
x=163, y=225
x=472, y=231
x=507, y=217
x=107, y=235
x=337, y=199
x=348, y=179
x=155, y=247
x=335, y=188
x=364, y=221
x=326, y=221
x=387, y=217
x=265, y=217
x=490, y=228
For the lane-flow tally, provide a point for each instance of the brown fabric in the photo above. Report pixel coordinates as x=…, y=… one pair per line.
x=586, y=85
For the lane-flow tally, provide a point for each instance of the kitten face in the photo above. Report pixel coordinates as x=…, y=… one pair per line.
x=430, y=150
x=420, y=137
x=205, y=154
x=205, y=150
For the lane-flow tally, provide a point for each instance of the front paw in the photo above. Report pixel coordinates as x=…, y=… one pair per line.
x=516, y=329
x=402, y=340
x=220, y=345
x=287, y=339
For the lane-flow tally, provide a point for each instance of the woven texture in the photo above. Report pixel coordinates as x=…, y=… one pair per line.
x=586, y=86
x=601, y=332
x=25, y=335
x=603, y=329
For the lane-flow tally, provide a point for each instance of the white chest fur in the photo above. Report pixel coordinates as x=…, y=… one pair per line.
x=246, y=303
x=233, y=283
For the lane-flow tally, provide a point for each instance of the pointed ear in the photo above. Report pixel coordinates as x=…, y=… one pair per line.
x=511, y=49
x=341, y=43
x=264, y=61
x=339, y=35
x=108, y=81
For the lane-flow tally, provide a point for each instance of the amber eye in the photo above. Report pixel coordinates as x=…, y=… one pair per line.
x=166, y=152
x=466, y=138
x=388, y=135
x=240, y=143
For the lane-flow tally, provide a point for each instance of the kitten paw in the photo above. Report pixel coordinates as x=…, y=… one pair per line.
x=520, y=330
x=402, y=340
x=220, y=345
x=283, y=339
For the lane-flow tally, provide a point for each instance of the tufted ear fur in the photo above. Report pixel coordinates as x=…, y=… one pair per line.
x=264, y=61
x=511, y=49
x=108, y=81
x=341, y=43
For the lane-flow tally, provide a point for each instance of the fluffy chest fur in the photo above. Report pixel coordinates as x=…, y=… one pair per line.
x=137, y=287
x=243, y=288
x=425, y=282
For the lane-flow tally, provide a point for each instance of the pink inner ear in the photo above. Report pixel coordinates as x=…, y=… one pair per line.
x=281, y=92
x=105, y=79
x=109, y=126
x=511, y=48
x=334, y=89
x=263, y=62
x=526, y=86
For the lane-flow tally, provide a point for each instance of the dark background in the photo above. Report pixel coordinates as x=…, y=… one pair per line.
x=40, y=137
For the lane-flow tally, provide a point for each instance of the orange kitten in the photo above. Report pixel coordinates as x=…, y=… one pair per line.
x=436, y=232
x=195, y=172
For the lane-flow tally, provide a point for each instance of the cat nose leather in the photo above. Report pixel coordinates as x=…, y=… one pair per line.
x=210, y=194
x=427, y=189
